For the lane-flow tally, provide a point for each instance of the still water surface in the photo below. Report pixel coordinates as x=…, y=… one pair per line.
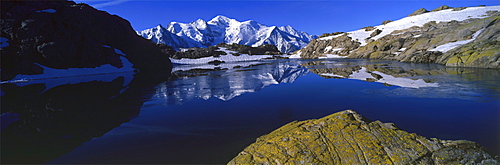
x=208, y=113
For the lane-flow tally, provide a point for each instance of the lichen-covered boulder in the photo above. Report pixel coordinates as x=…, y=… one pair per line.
x=347, y=137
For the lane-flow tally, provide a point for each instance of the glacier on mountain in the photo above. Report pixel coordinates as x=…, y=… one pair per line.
x=221, y=29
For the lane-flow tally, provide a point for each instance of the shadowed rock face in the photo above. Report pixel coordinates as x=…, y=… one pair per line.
x=348, y=138
x=63, y=34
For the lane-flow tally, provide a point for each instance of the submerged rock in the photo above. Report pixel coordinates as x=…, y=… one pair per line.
x=347, y=137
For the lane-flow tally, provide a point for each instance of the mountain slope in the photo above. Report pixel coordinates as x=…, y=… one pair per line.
x=451, y=36
x=221, y=29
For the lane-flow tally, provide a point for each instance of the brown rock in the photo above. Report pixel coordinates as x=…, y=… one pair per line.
x=419, y=11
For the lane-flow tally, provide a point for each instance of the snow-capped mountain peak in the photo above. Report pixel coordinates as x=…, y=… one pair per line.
x=201, y=33
x=200, y=24
x=221, y=20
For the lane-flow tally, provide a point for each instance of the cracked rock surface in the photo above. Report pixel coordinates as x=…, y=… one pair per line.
x=347, y=137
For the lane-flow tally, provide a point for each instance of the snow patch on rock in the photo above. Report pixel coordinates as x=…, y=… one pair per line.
x=296, y=55
x=452, y=45
x=70, y=72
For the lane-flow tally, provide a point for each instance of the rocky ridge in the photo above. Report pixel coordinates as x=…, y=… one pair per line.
x=194, y=53
x=347, y=137
x=471, y=42
x=222, y=53
x=36, y=35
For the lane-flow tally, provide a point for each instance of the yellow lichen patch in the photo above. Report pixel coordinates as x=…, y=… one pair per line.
x=346, y=138
x=420, y=44
x=468, y=58
x=377, y=55
x=436, y=40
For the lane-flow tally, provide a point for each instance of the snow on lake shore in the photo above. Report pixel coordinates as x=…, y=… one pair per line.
x=70, y=72
x=224, y=58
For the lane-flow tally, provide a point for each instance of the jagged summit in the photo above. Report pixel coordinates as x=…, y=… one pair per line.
x=222, y=29
x=221, y=20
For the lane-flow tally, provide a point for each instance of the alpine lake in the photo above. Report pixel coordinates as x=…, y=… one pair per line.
x=209, y=113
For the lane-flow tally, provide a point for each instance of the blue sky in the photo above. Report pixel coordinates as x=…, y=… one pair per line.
x=312, y=16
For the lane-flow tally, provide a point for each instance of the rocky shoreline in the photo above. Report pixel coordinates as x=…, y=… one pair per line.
x=471, y=42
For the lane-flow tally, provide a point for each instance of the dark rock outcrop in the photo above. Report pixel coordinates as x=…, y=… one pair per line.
x=245, y=49
x=419, y=11
x=386, y=22
x=63, y=34
x=318, y=48
x=348, y=138
x=444, y=7
x=194, y=53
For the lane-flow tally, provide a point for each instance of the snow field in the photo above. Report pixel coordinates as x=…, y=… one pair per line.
x=419, y=20
x=57, y=73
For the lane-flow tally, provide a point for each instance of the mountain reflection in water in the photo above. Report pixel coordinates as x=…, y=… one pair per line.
x=209, y=113
x=226, y=81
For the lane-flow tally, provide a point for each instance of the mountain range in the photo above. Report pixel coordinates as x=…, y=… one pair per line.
x=221, y=29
